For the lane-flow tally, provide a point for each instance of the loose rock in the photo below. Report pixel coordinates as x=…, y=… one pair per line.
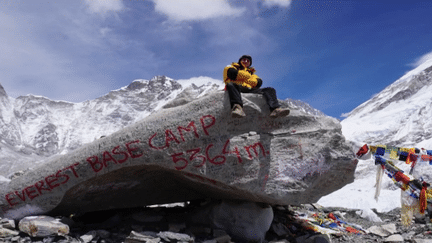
x=136, y=237
x=170, y=236
x=7, y=223
x=394, y=238
x=41, y=226
x=7, y=232
x=297, y=227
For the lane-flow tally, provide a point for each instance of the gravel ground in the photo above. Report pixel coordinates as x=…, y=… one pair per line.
x=117, y=225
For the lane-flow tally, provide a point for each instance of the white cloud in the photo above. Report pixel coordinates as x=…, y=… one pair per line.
x=426, y=58
x=419, y=65
x=104, y=6
x=281, y=3
x=196, y=9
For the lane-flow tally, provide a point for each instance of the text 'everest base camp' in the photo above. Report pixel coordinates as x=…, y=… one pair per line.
x=189, y=149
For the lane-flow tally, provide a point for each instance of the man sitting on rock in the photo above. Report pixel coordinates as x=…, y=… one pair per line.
x=240, y=78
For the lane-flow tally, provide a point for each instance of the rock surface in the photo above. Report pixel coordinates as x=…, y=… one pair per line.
x=175, y=156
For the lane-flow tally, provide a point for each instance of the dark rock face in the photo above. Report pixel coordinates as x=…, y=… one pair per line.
x=175, y=155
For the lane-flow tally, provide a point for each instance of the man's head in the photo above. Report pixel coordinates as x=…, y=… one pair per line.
x=245, y=60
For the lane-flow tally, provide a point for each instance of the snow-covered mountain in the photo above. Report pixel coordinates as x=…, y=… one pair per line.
x=398, y=116
x=33, y=128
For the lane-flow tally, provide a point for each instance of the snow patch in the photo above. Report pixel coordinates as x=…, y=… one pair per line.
x=199, y=81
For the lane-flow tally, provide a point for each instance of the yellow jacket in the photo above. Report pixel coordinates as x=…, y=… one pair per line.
x=246, y=76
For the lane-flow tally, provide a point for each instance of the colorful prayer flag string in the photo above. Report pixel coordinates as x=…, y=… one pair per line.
x=415, y=188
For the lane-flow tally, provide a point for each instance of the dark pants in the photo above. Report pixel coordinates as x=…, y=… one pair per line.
x=234, y=92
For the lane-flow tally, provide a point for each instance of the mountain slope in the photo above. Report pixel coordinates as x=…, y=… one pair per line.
x=398, y=115
x=33, y=128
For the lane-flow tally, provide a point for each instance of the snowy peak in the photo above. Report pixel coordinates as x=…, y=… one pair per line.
x=402, y=89
x=303, y=106
x=399, y=115
x=35, y=127
x=156, y=84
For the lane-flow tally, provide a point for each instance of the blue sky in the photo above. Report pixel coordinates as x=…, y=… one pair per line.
x=334, y=55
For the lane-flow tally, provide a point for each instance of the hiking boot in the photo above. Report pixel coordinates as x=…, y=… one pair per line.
x=279, y=112
x=237, y=111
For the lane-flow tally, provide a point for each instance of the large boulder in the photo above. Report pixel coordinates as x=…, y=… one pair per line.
x=192, y=151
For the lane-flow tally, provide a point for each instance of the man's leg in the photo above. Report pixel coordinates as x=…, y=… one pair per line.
x=234, y=94
x=272, y=101
x=235, y=100
x=270, y=97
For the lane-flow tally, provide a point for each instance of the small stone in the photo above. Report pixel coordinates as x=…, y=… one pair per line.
x=136, y=237
x=150, y=233
x=391, y=228
x=422, y=240
x=41, y=226
x=394, y=238
x=409, y=235
x=7, y=223
x=89, y=236
x=7, y=232
x=169, y=236
x=48, y=239
x=377, y=230
x=15, y=239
